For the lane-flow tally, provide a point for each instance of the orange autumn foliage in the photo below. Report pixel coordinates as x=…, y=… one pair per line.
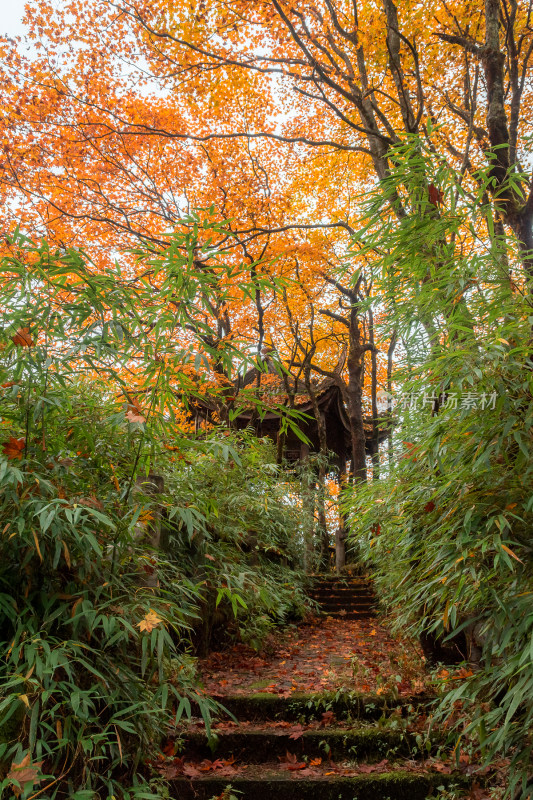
x=125, y=116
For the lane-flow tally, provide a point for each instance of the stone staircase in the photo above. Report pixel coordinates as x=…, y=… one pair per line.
x=346, y=597
x=307, y=747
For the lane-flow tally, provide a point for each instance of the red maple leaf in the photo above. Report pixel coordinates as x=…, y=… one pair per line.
x=13, y=447
x=436, y=196
x=296, y=732
x=327, y=718
x=22, y=337
x=291, y=762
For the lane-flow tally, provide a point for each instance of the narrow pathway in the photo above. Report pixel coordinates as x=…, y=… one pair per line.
x=323, y=655
x=335, y=709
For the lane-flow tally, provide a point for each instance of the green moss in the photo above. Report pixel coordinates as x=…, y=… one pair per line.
x=261, y=684
x=258, y=746
x=392, y=785
x=263, y=705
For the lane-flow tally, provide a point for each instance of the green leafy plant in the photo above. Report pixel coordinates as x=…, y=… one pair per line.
x=238, y=540
x=448, y=532
x=95, y=617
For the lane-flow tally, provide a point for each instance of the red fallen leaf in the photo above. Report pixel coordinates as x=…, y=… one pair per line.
x=296, y=732
x=24, y=773
x=315, y=762
x=328, y=717
x=429, y=507
x=13, y=447
x=210, y=557
x=477, y=793
x=440, y=767
x=436, y=195
x=292, y=762
x=191, y=772
x=217, y=764
x=367, y=768
x=22, y=338
x=171, y=771
x=460, y=675
x=170, y=748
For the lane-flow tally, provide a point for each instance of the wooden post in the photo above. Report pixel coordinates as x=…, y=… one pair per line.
x=340, y=549
x=340, y=533
x=308, y=509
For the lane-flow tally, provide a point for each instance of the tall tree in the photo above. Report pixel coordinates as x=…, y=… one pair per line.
x=127, y=114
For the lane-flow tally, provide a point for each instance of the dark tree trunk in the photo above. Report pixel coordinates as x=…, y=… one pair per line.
x=374, y=398
x=390, y=355
x=322, y=530
x=354, y=398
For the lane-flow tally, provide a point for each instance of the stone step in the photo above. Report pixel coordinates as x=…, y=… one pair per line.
x=348, y=608
x=349, y=615
x=272, y=782
x=255, y=746
x=334, y=587
x=300, y=706
x=344, y=598
x=344, y=602
x=342, y=585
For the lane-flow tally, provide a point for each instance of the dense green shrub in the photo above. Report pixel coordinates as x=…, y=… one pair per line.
x=449, y=530
x=92, y=683
x=95, y=621
x=238, y=539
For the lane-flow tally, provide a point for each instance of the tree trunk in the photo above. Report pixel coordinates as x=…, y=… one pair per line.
x=340, y=533
x=340, y=549
x=322, y=530
x=308, y=510
x=354, y=399
x=374, y=398
x=390, y=354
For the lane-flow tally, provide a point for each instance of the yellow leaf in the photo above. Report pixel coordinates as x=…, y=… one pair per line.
x=24, y=698
x=74, y=607
x=513, y=555
x=36, y=540
x=67, y=554
x=115, y=481
x=446, y=613
x=150, y=621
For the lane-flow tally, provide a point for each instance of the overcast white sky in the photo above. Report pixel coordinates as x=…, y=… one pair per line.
x=11, y=16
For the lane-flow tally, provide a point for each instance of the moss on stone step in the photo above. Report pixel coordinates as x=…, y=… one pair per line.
x=256, y=746
x=398, y=785
x=263, y=705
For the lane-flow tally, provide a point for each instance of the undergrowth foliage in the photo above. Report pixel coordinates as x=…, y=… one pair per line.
x=96, y=624
x=449, y=530
x=245, y=550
